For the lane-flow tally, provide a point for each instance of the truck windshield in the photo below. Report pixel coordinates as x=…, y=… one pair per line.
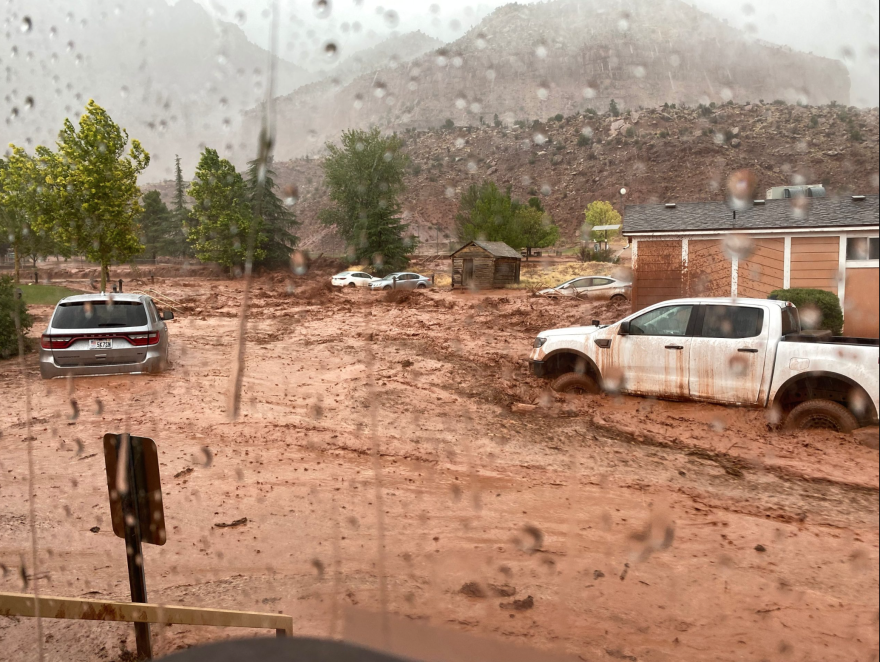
x=99, y=314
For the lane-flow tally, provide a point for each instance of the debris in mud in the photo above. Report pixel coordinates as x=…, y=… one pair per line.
x=184, y=472
x=625, y=571
x=472, y=590
x=617, y=654
x=532, y=540
x=95, y=529
x=519, y=605
x=760, y=548
x=522, y=408
x=398, y=296
x=502, y=590
x=228, y=525
x=598, y=574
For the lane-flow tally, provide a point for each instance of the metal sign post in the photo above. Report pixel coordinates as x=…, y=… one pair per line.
x=132, y=465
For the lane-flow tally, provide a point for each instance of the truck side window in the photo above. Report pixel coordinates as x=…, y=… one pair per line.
x=732, y=322
x=667, y=321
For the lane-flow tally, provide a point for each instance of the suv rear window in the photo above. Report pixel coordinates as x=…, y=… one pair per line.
x=99, y=315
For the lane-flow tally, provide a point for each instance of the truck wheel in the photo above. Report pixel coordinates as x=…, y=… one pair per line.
x=618, y=298
x=576, y=383
x=821, y=415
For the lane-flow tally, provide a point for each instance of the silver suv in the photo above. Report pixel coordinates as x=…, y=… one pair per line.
x=105, y=334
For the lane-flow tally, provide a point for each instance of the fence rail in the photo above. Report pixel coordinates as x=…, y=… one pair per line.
x=23, y=604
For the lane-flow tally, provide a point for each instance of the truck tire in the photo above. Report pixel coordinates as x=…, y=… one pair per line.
x=821, y=415
x=575, y=383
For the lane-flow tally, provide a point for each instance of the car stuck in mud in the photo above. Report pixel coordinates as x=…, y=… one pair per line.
x=747, y=352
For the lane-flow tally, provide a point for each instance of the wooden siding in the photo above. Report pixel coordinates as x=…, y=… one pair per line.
x=815, y=262
x=489, y=272
x=763, y=272
x=862, y=303
x=658, y=272
x=708, y=269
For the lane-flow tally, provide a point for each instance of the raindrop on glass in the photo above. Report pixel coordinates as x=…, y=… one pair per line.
x=322, y=8
x=26, y=24
x=331, y=50
x=28, y=103
x=240, y=17
x=391, y=18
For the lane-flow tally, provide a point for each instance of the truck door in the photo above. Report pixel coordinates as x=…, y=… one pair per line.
x=654, y=356
x=727, y=353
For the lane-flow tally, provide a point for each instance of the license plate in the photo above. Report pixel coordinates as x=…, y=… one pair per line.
x=100, y=344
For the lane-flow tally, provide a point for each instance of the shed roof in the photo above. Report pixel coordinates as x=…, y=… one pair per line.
x=799, y=213
x=494, y=248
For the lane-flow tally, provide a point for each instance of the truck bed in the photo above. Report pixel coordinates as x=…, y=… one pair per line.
x=831, y=340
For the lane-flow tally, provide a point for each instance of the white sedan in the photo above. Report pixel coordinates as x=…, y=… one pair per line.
x=352, y=279
x=592, y=287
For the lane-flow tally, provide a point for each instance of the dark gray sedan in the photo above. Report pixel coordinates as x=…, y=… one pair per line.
x=402, y=280
x=105, y=334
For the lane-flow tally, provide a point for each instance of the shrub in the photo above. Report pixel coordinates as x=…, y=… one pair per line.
x=613, y=109
x=8, y=305
x=584, y=141
x=814, y=121
x=559, y=117
x=664, y=133
x=856, y=136
x=630, y=132
x=449, y=124
x=818, y=309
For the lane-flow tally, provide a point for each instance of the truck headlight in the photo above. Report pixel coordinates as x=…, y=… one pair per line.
x=539, y=342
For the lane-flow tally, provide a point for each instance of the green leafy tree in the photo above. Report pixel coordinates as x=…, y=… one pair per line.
x=277, y=221
x=535, y=228
x=93, y=197
x=22, y=204
x=160, y=230
x=11, y=306
x=599, y=212
x=486, y=212
x=382, y=241
x=221, y=219
x=364, y=175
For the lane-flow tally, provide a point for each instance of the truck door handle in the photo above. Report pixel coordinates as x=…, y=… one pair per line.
x=674, y=347
x=747, y=349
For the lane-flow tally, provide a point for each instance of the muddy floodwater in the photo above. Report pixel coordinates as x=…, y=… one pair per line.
x=600, y=527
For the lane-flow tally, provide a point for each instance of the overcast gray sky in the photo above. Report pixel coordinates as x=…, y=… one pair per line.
x=843, y=29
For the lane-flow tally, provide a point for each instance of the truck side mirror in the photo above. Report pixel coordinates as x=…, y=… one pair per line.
x=624, y=328
x=167, y=315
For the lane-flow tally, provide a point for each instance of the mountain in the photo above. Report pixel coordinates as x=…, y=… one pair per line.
x=172, y=75
x=533, y=61
x=659, y=154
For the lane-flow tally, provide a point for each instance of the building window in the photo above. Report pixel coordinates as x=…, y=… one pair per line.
x=862, y=248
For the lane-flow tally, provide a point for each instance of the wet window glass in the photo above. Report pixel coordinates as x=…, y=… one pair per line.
x=666, y=321
x=731, y=322
x=790, y=321
x=99, y=315
x=863, y=248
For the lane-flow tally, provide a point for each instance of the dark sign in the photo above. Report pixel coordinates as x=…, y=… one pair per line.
x=133, y=482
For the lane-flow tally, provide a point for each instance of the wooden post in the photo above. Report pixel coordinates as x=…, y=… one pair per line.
x=133, y=552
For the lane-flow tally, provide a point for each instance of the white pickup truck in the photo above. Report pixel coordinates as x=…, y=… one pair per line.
x=748, y=352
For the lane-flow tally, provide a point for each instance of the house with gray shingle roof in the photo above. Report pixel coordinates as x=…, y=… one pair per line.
x=714, y=249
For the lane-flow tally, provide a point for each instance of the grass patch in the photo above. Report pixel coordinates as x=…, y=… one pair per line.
x=45, y=295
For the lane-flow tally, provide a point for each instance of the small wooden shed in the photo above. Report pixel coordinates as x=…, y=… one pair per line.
x=485, y=264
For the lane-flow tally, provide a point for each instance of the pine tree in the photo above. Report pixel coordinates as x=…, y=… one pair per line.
x=277, y=220
x=160, y=231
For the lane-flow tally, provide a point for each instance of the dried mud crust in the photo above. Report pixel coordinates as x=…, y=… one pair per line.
x=639, y=504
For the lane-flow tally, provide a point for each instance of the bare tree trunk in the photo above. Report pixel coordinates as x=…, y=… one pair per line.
x=17, y=262
x=105, y=275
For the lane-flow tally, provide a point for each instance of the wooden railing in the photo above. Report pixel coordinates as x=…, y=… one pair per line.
x=23, y=604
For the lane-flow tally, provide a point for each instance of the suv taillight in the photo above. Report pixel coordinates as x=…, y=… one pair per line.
x=144, y=339
x=55, y=342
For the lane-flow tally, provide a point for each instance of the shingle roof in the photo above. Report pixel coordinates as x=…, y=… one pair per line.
x=786, y=213
x=496, y=248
